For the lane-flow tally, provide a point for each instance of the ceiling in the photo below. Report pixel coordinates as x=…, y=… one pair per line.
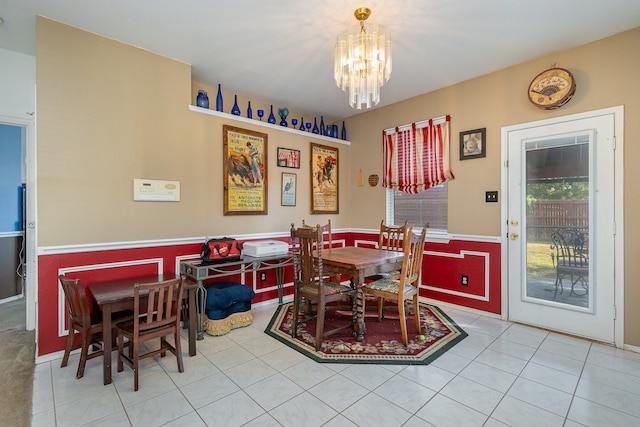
x=281, y=52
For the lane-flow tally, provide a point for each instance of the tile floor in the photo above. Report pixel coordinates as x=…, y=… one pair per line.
x=502, y=374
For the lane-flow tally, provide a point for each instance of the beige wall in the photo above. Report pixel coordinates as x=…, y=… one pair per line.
x=109, y=113
x=606, y=72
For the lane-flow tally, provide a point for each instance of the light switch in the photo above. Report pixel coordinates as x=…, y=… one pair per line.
x=491, y=196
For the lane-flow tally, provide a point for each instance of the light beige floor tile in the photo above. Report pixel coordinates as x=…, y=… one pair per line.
x=516, y=413
x=593, y=414
x=234, y=410
x=444, y=412
x=469, y=393
x=304, y=409
x=374, y=407
x=404, y=393
x=209, y=389
x=488, y=376
x=542, y=396
x=159, y=410
x=273, y=391
x=338, y=392
x=427, y=376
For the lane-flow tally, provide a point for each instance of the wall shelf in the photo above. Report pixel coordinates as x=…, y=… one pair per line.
x=266, y=124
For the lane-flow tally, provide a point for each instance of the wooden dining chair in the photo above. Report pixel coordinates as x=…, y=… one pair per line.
x=79, y=319
x=390, y=239
x=407, y=286
x=156, y=314
x=326, y=238
x=309, y=283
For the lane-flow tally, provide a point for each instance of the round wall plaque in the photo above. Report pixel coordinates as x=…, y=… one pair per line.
x=552, y=88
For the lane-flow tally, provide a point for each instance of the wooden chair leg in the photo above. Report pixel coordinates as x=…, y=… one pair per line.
x=69, y=346
x=296, y=311
x=416, y=310
x=403, y=322
x=120, y=340
x=136, y=361
x=86, y=342
x=380, y=304
x=178, y=349
x=319, y=326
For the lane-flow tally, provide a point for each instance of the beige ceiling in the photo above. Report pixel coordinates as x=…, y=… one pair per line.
x=281, y=52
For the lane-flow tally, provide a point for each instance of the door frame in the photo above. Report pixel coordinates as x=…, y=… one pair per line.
x=30, y=288
x=618, y=117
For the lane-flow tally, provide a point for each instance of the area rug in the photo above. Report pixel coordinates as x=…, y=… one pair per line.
x=383, y=340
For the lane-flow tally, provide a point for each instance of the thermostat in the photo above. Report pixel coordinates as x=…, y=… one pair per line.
x=153, y=190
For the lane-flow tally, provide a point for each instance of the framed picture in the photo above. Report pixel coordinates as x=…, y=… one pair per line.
x=324, y=179
x=288, y=158
x=289, y=185
x=473, y=144
x=244, y=172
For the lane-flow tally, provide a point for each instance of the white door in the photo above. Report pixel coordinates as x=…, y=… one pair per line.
x=561, y=182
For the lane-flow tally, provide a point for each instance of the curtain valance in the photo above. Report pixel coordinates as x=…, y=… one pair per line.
x=416, y=157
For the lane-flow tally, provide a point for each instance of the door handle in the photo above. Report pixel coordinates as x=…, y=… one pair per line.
x=514, y=236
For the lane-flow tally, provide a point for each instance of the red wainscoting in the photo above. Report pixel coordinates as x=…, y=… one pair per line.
x=444, y=264
x=103, y=265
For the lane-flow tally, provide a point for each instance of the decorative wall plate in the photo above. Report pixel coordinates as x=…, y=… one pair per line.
x=552, y=88
x=373, y=180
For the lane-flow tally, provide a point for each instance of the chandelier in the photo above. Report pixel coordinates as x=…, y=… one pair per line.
x=363, y=61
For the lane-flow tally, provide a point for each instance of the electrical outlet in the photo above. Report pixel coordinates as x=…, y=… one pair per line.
x=491, y=196
x=263, y=276
x=465, y=280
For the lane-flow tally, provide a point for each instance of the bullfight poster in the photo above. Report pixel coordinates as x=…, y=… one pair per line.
x=245, y=172
x=324, y=179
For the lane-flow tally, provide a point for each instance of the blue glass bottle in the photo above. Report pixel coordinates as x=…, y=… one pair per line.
x=219, y=99
x=344, y=132
x=301, y=124
x=272, y=118
x=322, y=128
x=235, y=110
x=315, y=126
x=202, y=100
x=249, y=112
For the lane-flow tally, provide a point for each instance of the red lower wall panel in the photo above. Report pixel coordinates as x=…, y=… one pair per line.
x=442, y=269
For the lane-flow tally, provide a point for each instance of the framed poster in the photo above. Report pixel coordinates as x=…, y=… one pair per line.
x=245, y=171
x=288, y=158
x=324, y=179
x=473, y=144
x=289, y=185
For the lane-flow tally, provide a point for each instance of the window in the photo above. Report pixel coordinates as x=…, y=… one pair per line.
x=428, y=207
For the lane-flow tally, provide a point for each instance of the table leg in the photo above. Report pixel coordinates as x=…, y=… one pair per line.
x=359, y=326
x=192, y=321
x=106, y=343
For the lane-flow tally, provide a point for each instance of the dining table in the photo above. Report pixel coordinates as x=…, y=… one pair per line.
x=358, y=263
x=115, y=296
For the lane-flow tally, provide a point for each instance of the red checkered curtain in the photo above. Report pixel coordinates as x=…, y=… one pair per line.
x=417, y=158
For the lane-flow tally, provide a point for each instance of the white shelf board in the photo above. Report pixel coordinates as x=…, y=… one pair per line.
x=266, y=124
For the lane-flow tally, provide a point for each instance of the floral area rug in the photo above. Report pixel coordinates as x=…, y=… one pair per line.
x=383, y=340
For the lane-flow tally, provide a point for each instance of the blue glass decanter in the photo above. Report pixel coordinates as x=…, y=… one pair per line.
x=249, y=112
x=315, y=126
x=272, y=118
x=235, y=110
x=202, y=100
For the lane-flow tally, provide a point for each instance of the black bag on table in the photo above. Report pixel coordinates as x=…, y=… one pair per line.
x=220, y=250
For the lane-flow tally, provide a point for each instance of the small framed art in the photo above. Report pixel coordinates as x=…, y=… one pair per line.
x=473, y=144
x=289, y=187
x=288, y=158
